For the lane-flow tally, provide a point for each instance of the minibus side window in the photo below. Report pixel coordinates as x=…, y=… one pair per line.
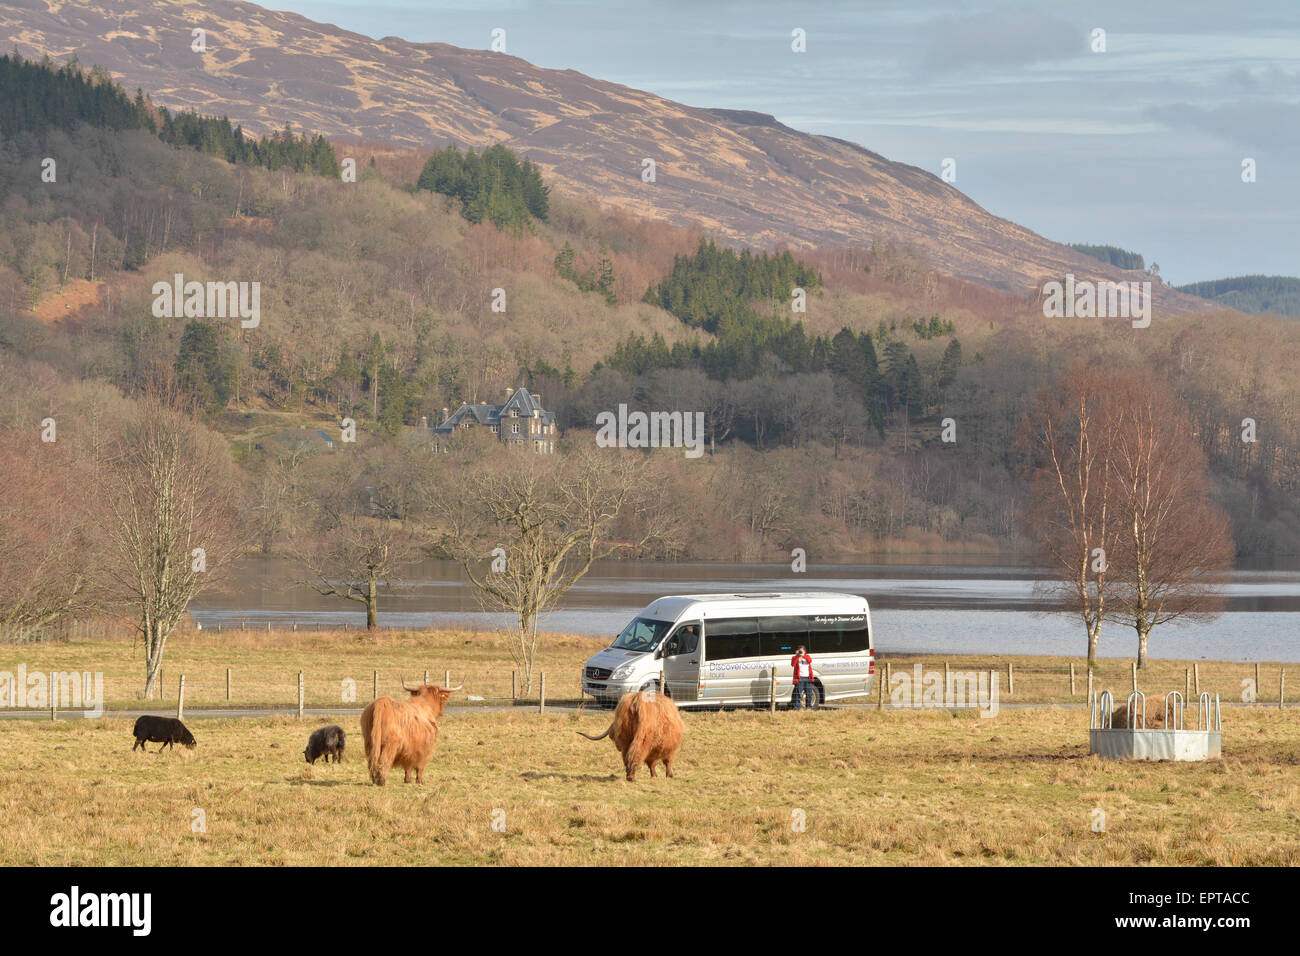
x=731, y=637
x=837, y=637
x=782, y=636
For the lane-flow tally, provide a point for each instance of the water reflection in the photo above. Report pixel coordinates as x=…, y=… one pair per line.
x=962, y=605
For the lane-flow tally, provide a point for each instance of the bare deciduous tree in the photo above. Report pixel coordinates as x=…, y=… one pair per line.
x=1072, y=516
x=173, y=511
x=352, y=546
x=525, y=528
x=1120, y=505
x=49, y=543
x=1175, y=538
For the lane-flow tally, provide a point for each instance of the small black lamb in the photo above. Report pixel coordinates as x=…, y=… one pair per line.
x=327, y=742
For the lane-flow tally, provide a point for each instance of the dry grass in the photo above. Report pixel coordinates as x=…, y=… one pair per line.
x=874, y=788
x=265, y=667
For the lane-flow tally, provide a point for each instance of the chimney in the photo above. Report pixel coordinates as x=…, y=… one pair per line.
x=445, y=414
x=509, y=391
x=424, y=422
x=538, y=399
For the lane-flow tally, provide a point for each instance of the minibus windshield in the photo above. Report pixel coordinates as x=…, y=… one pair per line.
x=643, y=634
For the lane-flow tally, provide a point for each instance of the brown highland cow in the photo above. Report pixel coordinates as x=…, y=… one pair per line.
x=403, y=733
x=646, y=729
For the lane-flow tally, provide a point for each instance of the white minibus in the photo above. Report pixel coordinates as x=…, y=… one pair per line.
x=715, y=649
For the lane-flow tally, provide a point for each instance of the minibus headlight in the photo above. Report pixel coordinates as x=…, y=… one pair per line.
x=620, y=672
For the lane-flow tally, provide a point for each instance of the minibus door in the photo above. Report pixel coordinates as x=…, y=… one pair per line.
x=681, y=661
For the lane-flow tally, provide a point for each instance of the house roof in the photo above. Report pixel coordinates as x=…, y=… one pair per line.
x=482, y=413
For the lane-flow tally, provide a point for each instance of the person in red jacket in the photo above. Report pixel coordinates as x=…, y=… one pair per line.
x=803, y=679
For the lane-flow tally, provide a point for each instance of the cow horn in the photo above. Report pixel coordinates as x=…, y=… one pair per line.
x=457, y=687
x=405, y=688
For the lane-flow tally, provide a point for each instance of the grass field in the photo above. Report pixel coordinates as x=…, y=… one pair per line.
x=264, y=667
x=902, y=787
x=849, y=786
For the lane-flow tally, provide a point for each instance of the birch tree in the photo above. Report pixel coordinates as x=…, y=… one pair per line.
x=1176, y=540
x=1072, y=517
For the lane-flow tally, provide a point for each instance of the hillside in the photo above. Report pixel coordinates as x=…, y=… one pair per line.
x=1276, y=294
x=377, y=304
x=741, y=176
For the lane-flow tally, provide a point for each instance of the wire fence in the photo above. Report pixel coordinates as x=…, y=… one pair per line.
x=1012, y=682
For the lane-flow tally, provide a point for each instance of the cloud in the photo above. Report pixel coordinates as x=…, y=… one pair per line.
x=1007, y=36
x=1271, y=79
x=1252, y=126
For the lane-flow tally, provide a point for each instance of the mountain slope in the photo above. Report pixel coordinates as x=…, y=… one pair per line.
x=740, y=175
x=1277, y=294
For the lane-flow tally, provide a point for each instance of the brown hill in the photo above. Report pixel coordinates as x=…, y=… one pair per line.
x=742, y=176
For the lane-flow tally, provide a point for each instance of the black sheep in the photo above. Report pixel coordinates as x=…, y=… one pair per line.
x=327, y=741
x=164, y=730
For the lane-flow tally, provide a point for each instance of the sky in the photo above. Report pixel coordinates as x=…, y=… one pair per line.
x=1140, y=145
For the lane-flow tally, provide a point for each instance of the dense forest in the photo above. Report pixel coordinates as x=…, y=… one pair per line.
x=495, y=186
x=1113, y=255
x=826, y=426
x=36, y=97
x=1277, y=294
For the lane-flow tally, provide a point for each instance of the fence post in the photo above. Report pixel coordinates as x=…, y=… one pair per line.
x=374, y=686
x=1090, y=703
x=1187, y=683
x=300, y=695
x=1011, y=677
x=1196, y=678
x=1071, y=678
x=426, y=675
x=880, y=693
x=180, y=699
x=446, y=679
x=1259, y=693
x=1135, y=674
x=227, y=684
x=541, y=699
x=1281, y=689
x=945, y=678
x=162, y=684
x=54, y=699
x=514, y=685
x=663, y=687
x=771, y=690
